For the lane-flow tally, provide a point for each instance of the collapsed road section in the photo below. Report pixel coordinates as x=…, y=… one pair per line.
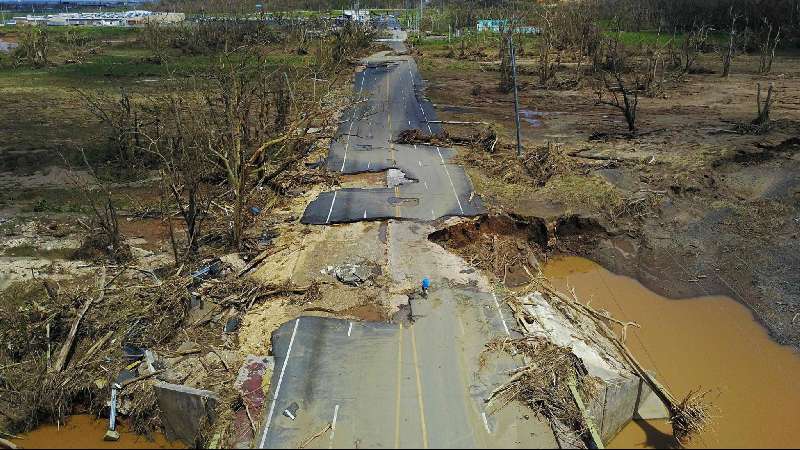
x=389, y=102
x=455, y=368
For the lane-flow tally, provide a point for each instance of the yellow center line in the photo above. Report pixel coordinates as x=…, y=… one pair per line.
x=391, y=144
x=419, y=392
x=399, y=383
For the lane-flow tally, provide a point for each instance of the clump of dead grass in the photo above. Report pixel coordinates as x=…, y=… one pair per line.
x=690, y=417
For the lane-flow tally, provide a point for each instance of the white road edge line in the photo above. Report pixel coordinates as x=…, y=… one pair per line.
x=486, y=423
x=328, y=220
x=278, y=387
x=500, y=311
x=350, y=329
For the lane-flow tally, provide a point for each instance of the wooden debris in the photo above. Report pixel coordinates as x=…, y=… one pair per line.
x=320, y=433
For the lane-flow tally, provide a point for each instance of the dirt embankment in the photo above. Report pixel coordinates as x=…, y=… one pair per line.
x=688, y=206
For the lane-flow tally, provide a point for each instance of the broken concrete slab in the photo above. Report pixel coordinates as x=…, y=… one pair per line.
x=354, y=274
x=185, y=410
x=622, y=393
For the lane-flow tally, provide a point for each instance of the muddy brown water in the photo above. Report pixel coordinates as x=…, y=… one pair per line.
x=709, y=343
x=83, y=431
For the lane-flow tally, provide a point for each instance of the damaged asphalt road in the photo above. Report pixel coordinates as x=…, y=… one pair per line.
x=390, y=102
x=418, y=383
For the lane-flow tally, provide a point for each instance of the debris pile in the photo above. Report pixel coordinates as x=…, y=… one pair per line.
x=87, y=343
x=354, y=273
x=607, y=385
x=544, y=384
x=484, y=139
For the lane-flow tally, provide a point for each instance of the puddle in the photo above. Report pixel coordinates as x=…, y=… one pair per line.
x=709, y=343
x=6, y=46
x=534, y=118
x=83, y=431
x=369, y=312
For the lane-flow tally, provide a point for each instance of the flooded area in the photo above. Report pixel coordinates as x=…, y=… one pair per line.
x=706, y=343
x=83, y=431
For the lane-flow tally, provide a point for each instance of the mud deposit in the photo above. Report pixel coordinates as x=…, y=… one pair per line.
x=709, y=343
x=85, y=432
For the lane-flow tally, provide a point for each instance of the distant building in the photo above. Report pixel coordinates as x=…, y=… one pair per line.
x=495, y=25
x=111, y=19
x=361, y=15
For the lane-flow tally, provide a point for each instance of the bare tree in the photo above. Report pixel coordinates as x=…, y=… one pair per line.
x=769, y=44
x=103, y=229
x=693, y=44
x=506, y=71
x=730, y=51
x=763, y=121
x=547, y=63
x=619, y=84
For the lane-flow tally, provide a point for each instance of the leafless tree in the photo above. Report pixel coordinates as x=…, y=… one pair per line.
x=506, y=71
x=693, y=44
x=729, y=52
x=619, y=83
x=103, y=228
x=548, y=63
x=763, y=120
x=769, y=44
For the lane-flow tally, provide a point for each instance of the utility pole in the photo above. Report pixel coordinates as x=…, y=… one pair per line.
x=516, y=96
x=419, y=19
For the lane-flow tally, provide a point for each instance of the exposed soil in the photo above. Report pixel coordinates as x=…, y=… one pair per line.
x=687, y=207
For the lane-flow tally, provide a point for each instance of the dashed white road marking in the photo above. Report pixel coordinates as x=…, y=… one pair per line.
x=447, y=172
x=500, y=311
x=328, y=220
x=365, y=213
x=333, y=424
x=350, y=329
x=278, y=387
x=350, y=130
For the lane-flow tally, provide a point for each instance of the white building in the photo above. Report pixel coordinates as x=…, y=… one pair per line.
x=361, y=15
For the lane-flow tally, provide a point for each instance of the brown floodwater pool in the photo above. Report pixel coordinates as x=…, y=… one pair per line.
x=83, y=431
x=709, y=343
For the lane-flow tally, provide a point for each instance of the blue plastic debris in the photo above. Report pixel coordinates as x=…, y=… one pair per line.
x=208, y=271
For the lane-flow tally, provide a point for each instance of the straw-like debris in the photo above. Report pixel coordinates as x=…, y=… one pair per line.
x=542, y=383
x=689, y=417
